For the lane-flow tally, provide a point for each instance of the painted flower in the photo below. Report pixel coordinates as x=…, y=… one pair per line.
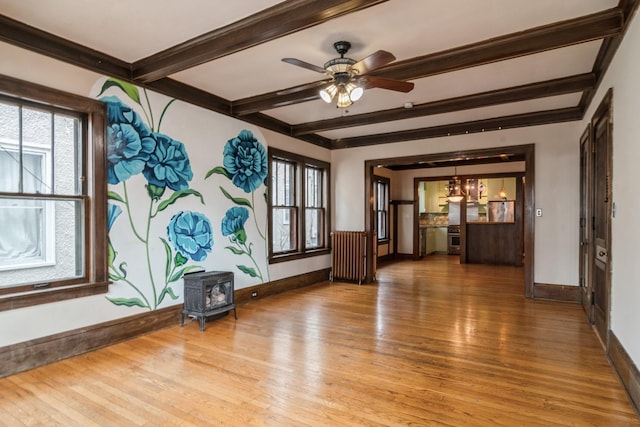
x=191, y=235
x=233, y=223
x=245, y=160
x=168, y=165
x=129, y=141
x=113, y=212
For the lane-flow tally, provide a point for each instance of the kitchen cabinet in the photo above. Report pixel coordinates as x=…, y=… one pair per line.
x=435, y=195
x=431, y=240
x=441, y=240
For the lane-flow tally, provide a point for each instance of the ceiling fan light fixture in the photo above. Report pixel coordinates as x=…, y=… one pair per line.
x=355, y=92
x=328, y=93
x=348, y=77
x=343, y=98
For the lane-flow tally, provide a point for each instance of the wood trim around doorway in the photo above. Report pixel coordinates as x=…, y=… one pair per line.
x=527, y=151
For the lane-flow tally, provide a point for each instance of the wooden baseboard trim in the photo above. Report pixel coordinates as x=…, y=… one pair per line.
x=563, y=293
x=626, y=369
x=278, y=286
x=385, y=258
x=41, y=351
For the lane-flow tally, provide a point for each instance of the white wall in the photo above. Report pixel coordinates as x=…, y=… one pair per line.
x=556, y=188
x=625, y=292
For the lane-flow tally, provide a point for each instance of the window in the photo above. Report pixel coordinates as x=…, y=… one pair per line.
x=381, y=200
x=298, y=206
x=52, y=195
x=314, y=208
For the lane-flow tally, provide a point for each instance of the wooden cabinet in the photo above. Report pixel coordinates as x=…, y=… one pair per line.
x=431, y=240
x=441, y=240
x=436, y=195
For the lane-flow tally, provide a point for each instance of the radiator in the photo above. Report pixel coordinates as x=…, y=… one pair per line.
x=348, y=255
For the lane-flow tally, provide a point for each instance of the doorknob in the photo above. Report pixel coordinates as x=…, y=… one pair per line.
x=602, y=254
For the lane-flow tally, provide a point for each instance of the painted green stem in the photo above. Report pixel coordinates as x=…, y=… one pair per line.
x=153, y=285
x=248, y=251
x=119, y=277
x=126, y=203
x=266, y=244
x=150, y=117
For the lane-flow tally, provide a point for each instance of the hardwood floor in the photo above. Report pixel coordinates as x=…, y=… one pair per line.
x=431, y=343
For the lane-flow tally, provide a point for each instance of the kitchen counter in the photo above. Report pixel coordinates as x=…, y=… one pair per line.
x=488, y=222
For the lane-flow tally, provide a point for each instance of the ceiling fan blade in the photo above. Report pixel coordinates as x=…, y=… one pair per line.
x=373, y=61
x=299, y=63
x=382, y=83
x=300, y=88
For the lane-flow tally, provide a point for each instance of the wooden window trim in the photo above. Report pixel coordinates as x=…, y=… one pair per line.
x=301, y=163
x=386, y=181
x=96, y=276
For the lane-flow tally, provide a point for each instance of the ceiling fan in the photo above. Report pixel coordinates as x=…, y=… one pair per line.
x=349, y=78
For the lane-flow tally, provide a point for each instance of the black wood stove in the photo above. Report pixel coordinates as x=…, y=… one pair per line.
x=208, y=294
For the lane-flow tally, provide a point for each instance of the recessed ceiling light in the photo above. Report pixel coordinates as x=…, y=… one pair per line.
x=408, y=105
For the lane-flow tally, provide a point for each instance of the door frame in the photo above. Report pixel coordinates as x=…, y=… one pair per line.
x=525, y=151
x=602, y=322
x=586, y=207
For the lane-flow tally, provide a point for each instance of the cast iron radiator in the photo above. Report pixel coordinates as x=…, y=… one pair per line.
x=348, y=255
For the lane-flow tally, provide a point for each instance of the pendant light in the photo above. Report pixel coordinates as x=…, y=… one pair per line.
x=455, y=189
x=502, y=194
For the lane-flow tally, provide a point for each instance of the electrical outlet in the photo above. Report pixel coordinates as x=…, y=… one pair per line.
x=538, y=212
x=254, y=294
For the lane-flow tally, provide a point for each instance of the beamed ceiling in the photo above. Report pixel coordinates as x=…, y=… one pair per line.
x=476, y=65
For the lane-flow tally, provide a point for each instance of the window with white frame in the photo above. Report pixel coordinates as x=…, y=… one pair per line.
x=381, y=201
x=48, y=212
x=298, y=205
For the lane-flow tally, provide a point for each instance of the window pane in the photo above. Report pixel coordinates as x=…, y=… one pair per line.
x=10, y=167
x=67, y=152
x=313, y=187
x=283, y=183
x=314, y=227
x=36, y=128
x=40, y=233
x=382, y=209
x=284, y=226
x=382, y=225
x=9, y=148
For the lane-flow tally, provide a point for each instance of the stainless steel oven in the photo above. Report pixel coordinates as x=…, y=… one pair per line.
x=453, y=240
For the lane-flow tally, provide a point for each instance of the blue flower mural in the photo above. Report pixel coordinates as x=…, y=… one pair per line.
x=113, y=212
x=135, y=147
x=245, y=160
x=233, y=226
x=129, y=141
x=245, y=165
x=191, y=235
x=168, y=165
x=233, y=223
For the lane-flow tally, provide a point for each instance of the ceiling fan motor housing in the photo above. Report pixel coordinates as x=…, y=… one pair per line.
x=342, y=47
x=340, y=65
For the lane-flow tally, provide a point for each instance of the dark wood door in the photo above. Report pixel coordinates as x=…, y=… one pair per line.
x=586, y=151
x=601, y=277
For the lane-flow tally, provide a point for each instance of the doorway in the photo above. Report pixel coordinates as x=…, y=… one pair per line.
x=525, y=153
x=596, y=213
